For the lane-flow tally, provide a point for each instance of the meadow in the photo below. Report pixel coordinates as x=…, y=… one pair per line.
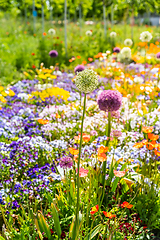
x=79, y=134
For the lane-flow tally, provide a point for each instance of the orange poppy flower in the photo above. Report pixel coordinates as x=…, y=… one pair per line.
x=138, y=145
x=147, y=129
x=119, y=173
x=82, y=172
x=73, y=151
x=86, y=138
x=153, y=137
x=84, y=62
x=90, y=59
x=157, y=153
x=102, y=149
x=157, y=43
x=70, y=60
x=94, y=209
x=79, y=57
x=102, y=157
x=41, y=121
x=126, y=205
x=44, y=34
x=109, y=215
x=150, y=146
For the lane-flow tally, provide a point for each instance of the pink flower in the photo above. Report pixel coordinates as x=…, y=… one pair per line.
x=82, y=172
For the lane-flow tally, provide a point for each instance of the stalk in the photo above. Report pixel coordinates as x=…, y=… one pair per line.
x=79, y=156
x=108, y=131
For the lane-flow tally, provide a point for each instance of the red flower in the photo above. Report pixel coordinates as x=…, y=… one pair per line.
x=33, y=54
x=119, y=173
x=33, y=66
x=44, y=34
x=126, y=205
x=82, y=172
x=109, y=215
x=94, y=209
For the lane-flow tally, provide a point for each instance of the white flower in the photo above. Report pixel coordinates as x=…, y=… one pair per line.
x=128, y=42
x=138, y=80
x=126, y=52
x=89, y=33
x=145, y=36
x=52, y=31
x=113, y=34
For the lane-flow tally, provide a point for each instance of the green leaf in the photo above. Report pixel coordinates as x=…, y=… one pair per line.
x=56, y=220
x=1, y=238
x=43, y=225
x=94, y=231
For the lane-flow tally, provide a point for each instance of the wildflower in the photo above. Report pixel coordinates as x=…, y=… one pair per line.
x=86, y=81
x=66, y=162
x=117, y=50
x=113, y=34
x=90, y=59
x=102, y=157
x=33, y=66
x=82, y=172
x=109, y=215
x=32, y=54
x=157, y=153
x=147, y=129
x=138, y=80
x=73, y=151
x=145, y=36
x=126, y=52
x=116, y=133
x=53, y=54
x=102, y=149
x=128, y=182
x=119, y=173
x=128, y=42
x=44, y=34
x=94, y=209
x=52, y=31
x=138, y=145
x=126, y=205
x=109, y=100
x=41, y=121
x=153, y=137
x=79, y=68
x=158, y=55
x=89, y=33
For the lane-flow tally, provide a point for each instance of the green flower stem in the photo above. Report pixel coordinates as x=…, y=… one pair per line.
x=79, y=156
x=108, y=131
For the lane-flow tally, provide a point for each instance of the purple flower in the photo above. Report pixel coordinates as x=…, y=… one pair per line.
x=66, y=162
x=116, y=49
x=158, y=55
x=79, y=68
x=53, y=54
x=109, y=100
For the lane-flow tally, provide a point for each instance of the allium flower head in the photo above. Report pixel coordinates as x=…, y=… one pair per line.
x=116, y=49
x=158, y=55
x=89, y=33
x=113, y=34
x=145, y=36
x=53, y=54
x=79, y=68
x=86, y=81
x=128, y=42
x=52, y=31
x=66, y=162
x=109, y=100
x=126, y=52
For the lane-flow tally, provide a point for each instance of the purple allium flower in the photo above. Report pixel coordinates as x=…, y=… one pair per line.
x=79, y=68
x=53, y=54
x=66, y=162
x=116, y=49
x=109, y=100
x=158, y=55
